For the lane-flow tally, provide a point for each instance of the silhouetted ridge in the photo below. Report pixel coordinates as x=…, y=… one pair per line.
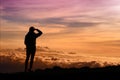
x=57, y=73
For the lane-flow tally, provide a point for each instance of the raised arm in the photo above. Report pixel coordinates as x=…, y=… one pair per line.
x=39, y=33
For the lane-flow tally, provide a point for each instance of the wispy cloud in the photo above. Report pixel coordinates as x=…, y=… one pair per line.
x=57, y=12
x=63, y=21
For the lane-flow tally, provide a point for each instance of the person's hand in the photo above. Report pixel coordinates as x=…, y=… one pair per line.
x=37, y=29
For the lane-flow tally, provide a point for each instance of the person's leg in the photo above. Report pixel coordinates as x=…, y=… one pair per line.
x=27, y=59
x=31, y=61
x=32, y=58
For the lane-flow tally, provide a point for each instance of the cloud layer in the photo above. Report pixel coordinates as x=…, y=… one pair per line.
x=83, y=12
x=12, y=60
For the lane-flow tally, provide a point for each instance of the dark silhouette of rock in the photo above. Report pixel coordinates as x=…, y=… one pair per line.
x=57, y=73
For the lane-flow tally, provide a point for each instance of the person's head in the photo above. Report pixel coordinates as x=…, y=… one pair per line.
x=31, y=29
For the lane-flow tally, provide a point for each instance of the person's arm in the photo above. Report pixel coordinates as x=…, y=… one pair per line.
x=39, y=33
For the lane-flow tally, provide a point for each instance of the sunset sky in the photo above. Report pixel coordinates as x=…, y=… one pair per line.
x=87, y=26
x=76, y=33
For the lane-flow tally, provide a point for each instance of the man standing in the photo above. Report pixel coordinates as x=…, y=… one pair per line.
x=30, y=42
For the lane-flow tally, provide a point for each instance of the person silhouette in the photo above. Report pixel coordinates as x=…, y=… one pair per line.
x=30, y=42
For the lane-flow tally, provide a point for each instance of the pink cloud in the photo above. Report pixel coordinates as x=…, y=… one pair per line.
x=31, y=11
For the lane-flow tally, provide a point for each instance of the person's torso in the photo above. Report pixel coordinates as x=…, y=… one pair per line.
x=30, y=39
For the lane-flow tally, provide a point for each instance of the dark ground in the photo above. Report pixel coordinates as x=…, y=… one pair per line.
x=57, y=73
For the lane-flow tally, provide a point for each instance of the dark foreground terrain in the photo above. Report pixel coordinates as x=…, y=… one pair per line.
x=106, y=73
